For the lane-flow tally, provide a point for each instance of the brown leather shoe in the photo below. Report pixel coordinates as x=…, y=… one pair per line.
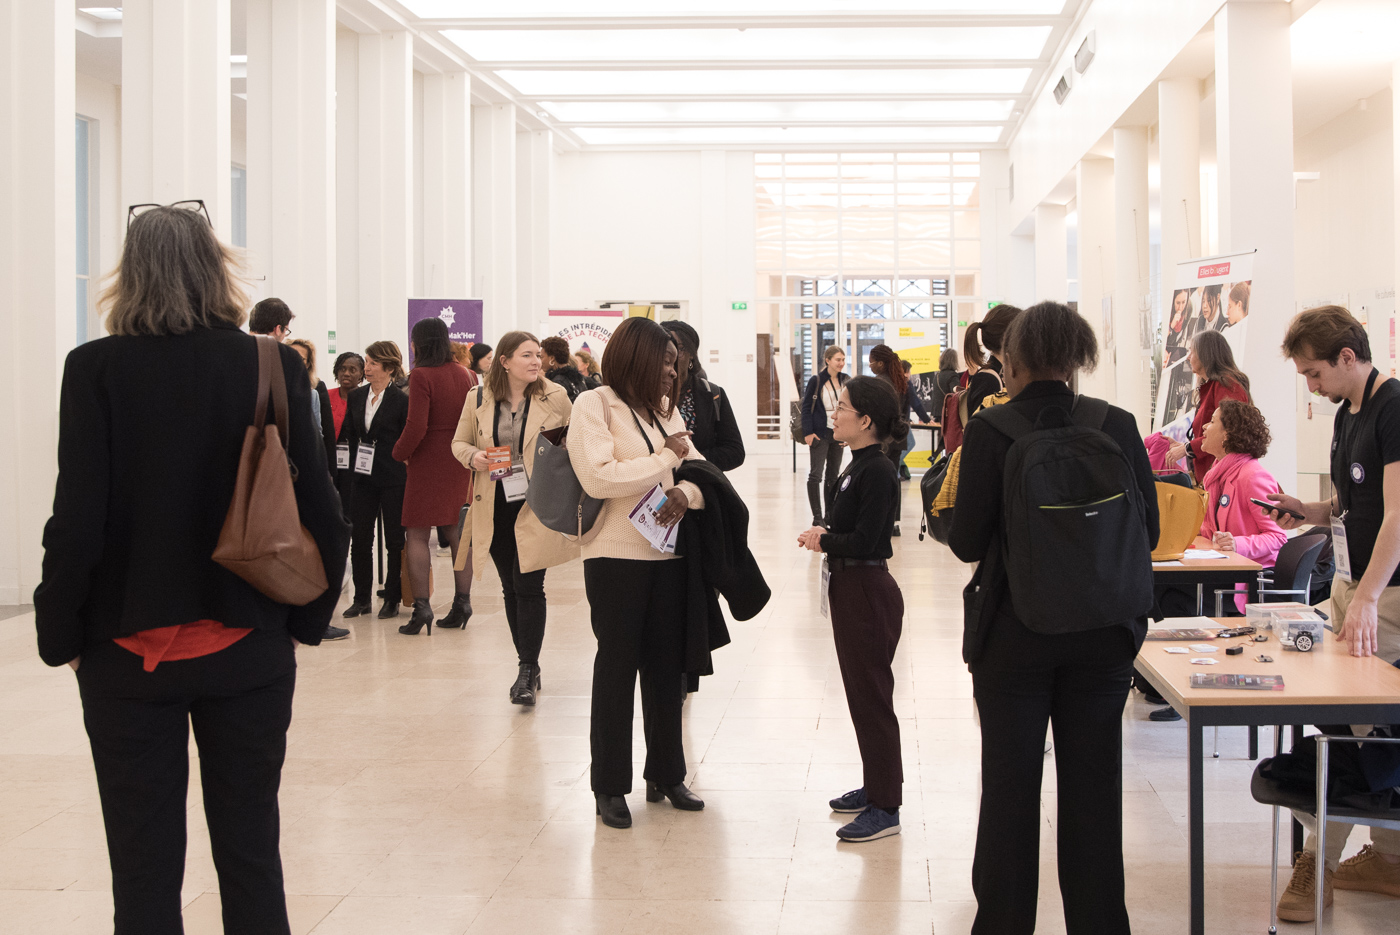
x=1299, y=902
x=1369, y=871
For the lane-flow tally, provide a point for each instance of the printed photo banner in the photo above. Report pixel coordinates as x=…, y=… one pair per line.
x=584, y=329
x=462, y=317
x=1211, y=294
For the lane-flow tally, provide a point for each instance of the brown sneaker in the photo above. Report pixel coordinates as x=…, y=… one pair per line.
x=1369, y=871
x=1298, y=902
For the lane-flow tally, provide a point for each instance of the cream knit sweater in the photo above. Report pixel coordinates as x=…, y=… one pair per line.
x=612, y=462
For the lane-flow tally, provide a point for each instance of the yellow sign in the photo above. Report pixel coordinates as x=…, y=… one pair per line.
x=921, y=359
x=642, y=311
x=910, y=333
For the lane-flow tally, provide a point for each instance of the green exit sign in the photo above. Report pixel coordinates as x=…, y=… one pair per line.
x=962, y=324
x=739, y=306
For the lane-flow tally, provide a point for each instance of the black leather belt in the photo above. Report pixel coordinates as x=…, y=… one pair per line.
x=836, y=564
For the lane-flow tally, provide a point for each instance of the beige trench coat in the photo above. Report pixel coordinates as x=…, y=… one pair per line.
x=539, y=547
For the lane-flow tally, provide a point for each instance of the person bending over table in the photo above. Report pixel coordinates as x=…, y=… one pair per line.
x=1331, y=350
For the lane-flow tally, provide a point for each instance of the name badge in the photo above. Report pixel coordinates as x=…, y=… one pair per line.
x=364, y=458
x=1340, y=555
x=515, y=484
x=342, y=456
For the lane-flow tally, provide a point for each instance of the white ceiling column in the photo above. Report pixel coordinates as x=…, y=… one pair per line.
x=1179, y=142
x=176, y=105
x=291, y=160
x=534, y=188
x=447, y=194
x=1254, y=147
x=38, y=267
x=1094, y=206
x=493, y=236
x=385, y=154
x=1051, y=254
x=1132, y=277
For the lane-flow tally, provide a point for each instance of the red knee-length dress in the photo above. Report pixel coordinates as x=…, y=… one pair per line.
x=438, y=484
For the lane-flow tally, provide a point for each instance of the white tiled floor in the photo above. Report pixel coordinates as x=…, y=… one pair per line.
x=417, y=799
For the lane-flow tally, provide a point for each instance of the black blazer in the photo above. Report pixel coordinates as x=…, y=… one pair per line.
x=150, y=431
x=383, y=433
x=718, y=439
x=327, y=424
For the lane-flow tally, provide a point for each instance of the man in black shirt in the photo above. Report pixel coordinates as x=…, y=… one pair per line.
x=1331, y=350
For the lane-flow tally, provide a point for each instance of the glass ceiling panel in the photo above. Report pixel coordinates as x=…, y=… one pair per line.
x=756, y=83
x=776, y=112
x=621, y=45
x=443, y=9
x=777, y=135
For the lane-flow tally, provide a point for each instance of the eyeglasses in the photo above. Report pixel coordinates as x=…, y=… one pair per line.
x=193, y=204
x=846, y=407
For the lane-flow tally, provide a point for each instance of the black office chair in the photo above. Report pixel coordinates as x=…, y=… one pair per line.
x=1291, y=574
x=1268, y=792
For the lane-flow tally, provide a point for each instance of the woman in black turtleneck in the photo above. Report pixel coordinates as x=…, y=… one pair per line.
x=867, y=608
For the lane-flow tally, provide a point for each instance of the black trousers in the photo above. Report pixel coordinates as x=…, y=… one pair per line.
x=867, y=616
x=825, y=456
x=1079, y=683
x=367, y=503
x=523, y=593
x=638, y=610
x=239, y=701
x=345, y=486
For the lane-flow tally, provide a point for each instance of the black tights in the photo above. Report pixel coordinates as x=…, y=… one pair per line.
x=418, y=552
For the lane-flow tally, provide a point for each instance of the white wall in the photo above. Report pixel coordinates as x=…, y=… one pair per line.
x=347, y=188
x=102, y=102
x=666, y=225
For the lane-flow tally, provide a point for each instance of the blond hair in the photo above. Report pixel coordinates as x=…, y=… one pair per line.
x=310, y=357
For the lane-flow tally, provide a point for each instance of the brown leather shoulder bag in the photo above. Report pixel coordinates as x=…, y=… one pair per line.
x=263, y=541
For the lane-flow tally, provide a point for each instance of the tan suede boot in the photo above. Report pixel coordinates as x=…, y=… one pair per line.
x=1369, y=871
x=1298, y=902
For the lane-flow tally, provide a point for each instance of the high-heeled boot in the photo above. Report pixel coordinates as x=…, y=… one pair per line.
x=526, y=684
x=460, y=613
x=814, y=498
x=422, y=616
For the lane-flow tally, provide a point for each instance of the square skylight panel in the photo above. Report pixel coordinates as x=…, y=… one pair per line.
x=1013, y=43
x=758, y=82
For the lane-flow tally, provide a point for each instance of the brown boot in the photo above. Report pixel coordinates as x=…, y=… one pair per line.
x=1369, y=871
x=1299, y=902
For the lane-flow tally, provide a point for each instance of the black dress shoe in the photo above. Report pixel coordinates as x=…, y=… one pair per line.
x=357, y=609
x=390, y=609
x=681, y=797
x=1164, y=714
x=613, y=810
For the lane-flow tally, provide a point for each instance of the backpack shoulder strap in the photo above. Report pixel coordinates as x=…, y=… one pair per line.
x=1006, y=420
x=1089, y=412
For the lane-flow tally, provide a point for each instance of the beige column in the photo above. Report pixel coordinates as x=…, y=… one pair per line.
x=1096, y=255
x=1131, y=274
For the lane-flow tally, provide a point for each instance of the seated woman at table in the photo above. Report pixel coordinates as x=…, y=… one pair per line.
x=1237, y=437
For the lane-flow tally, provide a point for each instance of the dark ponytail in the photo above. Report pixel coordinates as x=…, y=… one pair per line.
x=875, y=398
x=991, y=330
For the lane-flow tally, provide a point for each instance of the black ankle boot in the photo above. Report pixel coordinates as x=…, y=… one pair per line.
x=680, y=796
x=389, y=610
x=460, y=613
x=526, y=684
x=422, y=615
x=613, y=810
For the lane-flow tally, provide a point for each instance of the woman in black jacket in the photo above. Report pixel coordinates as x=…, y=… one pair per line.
x=1078, y=682
x=985, y=356
x=818, y=415
x=151, y=426
x=704, y=406
x=375, y=416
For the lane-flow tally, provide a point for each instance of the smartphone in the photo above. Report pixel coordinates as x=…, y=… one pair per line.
x=1274, y=506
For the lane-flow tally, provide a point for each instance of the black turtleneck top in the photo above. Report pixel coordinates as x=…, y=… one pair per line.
x=865, y=509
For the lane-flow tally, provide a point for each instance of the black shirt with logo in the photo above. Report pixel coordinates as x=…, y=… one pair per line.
x=1363, y=444
x=866, y=506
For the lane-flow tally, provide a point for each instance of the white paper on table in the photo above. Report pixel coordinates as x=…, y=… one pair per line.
x=1170, y=564
x=1203, y=553
x=1176, y=649
x=643, y=517
x=1203, y=648
x=1205, y=662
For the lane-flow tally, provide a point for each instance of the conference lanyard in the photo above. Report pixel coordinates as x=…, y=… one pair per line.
x=514, y=485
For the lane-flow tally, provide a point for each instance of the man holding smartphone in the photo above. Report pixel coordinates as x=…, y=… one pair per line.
x=1331, y=350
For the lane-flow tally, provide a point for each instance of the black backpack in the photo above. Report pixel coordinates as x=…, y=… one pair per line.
x=1077, y=555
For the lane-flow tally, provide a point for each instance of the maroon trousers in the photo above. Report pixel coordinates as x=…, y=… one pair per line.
x=867, y=615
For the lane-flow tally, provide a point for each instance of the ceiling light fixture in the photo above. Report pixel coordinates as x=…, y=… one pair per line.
x=109, y=14
x=759, y=82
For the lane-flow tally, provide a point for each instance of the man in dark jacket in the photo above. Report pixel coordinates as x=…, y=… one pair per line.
x=704, y=406
x=557, y=366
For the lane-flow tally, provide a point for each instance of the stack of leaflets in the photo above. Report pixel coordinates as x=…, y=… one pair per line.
x=643, y=517
x=1256, y=683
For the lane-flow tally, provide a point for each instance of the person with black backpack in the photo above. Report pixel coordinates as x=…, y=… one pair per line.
x=1058, y=505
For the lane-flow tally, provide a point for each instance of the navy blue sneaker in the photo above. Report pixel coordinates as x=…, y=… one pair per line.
x=851, y=803
x=871, y=825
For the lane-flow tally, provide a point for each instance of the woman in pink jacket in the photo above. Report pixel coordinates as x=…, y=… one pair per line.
x=1237, y=436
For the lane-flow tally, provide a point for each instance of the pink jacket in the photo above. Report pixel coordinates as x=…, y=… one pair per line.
x=1230, y=483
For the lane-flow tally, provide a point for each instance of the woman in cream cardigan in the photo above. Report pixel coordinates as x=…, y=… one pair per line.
x=626, y=437
x=509, y=410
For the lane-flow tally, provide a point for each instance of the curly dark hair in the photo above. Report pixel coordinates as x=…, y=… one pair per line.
x=1246, y=432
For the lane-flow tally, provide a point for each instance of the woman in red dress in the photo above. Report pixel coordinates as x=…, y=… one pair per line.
x=438, y=484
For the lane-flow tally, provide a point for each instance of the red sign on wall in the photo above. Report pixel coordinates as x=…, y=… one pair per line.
x=1210, y=272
